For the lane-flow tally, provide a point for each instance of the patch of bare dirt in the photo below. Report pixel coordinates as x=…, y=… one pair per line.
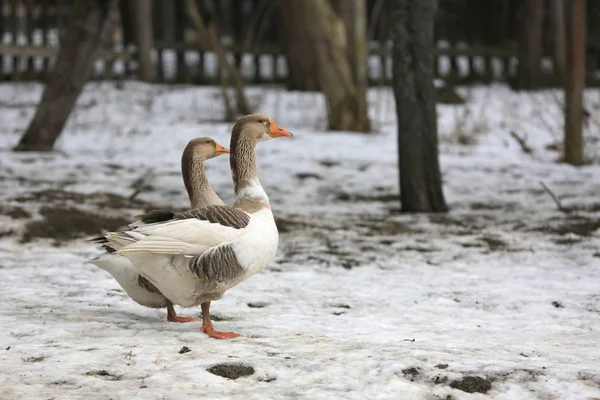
x=356, y=198
x=219, y=317
x=104, y=374
x=231, y=371
x=286, y=225
x=50, y=196
x=7, y=232
x=477, y=206
x=14, y=212
x=584, y=227
x=472, y=384
x=68, y=223
x=578, y=225
x=411, y=373
x=387, y=228
x=465, y=224
x=115, y=201
x=302, y=176
x=329, y=163
x=447, y=220
x=104, y=200
x=258, y=304
x=495, y=244
x=34, y=359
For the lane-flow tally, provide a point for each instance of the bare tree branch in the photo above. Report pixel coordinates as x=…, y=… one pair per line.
x=209, y=38
x=521, y=141
x=553, y=196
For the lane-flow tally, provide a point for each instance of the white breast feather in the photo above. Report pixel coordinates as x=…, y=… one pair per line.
x=253, y=190
x=257, y=249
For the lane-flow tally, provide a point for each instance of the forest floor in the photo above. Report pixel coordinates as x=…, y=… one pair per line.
x=498, y=299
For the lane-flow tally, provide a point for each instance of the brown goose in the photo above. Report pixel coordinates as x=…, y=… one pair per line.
x=200, y=194
x=195, y=256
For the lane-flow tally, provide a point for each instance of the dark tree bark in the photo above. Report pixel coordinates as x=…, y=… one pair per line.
x=558, y=24
x=141, y=12
x=413, y=59
x=575, y=81
x=354, y=15
x=530, y=44
x=89, y=26
x=319, y=25
x=299, y=54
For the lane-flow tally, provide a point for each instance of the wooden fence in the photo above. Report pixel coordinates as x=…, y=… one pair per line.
x=248, y=29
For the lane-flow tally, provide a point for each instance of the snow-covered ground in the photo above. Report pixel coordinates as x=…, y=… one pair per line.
x=362, y=302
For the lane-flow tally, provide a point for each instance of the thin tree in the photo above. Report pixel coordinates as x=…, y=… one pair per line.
x=530, y=44
x=323, y=35
x=354, y=16
x=300, y=56
x=413, y=62
x=90, y=24
x=574, y=83
x=558, y=24
x=209, y=39
x=141, y=12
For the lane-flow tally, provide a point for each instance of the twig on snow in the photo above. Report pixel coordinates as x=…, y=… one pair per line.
x=522, y=142
x=553, y=196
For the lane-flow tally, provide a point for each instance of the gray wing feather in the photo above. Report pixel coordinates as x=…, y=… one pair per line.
x=146, y=284
x=222, y=215
x=219, y=264
x=215, y=214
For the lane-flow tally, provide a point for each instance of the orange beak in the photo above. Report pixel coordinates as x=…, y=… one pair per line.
x=277, y=131
x=220, y=149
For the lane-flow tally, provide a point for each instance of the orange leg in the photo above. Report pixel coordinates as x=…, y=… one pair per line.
x=173, y=317
x=207, y=326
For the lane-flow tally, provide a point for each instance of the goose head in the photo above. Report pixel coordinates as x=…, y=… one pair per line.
x=196, y=152
x=203, y=148
x=259, y=128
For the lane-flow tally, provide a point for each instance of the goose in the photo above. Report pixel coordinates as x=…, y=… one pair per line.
x=195, y=256
x=200, y=193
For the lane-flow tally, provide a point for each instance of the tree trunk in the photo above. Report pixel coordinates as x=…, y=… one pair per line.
x=141, y=12
x=560, y=37
x=413, y=58
x=573, y=143
x=318, y=24
x=354, y=15
x=299, y=53
x=89, y=26
x=209, y=38
x=530, y=44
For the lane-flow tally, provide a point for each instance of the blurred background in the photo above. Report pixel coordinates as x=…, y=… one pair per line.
x=476, y=42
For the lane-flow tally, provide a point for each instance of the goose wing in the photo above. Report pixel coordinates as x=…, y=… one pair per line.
x=190, y=233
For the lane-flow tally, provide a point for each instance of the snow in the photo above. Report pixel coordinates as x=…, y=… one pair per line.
x=504, y=287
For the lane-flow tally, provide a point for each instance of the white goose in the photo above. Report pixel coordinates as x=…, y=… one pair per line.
x=200, y=194
x=195, y=256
